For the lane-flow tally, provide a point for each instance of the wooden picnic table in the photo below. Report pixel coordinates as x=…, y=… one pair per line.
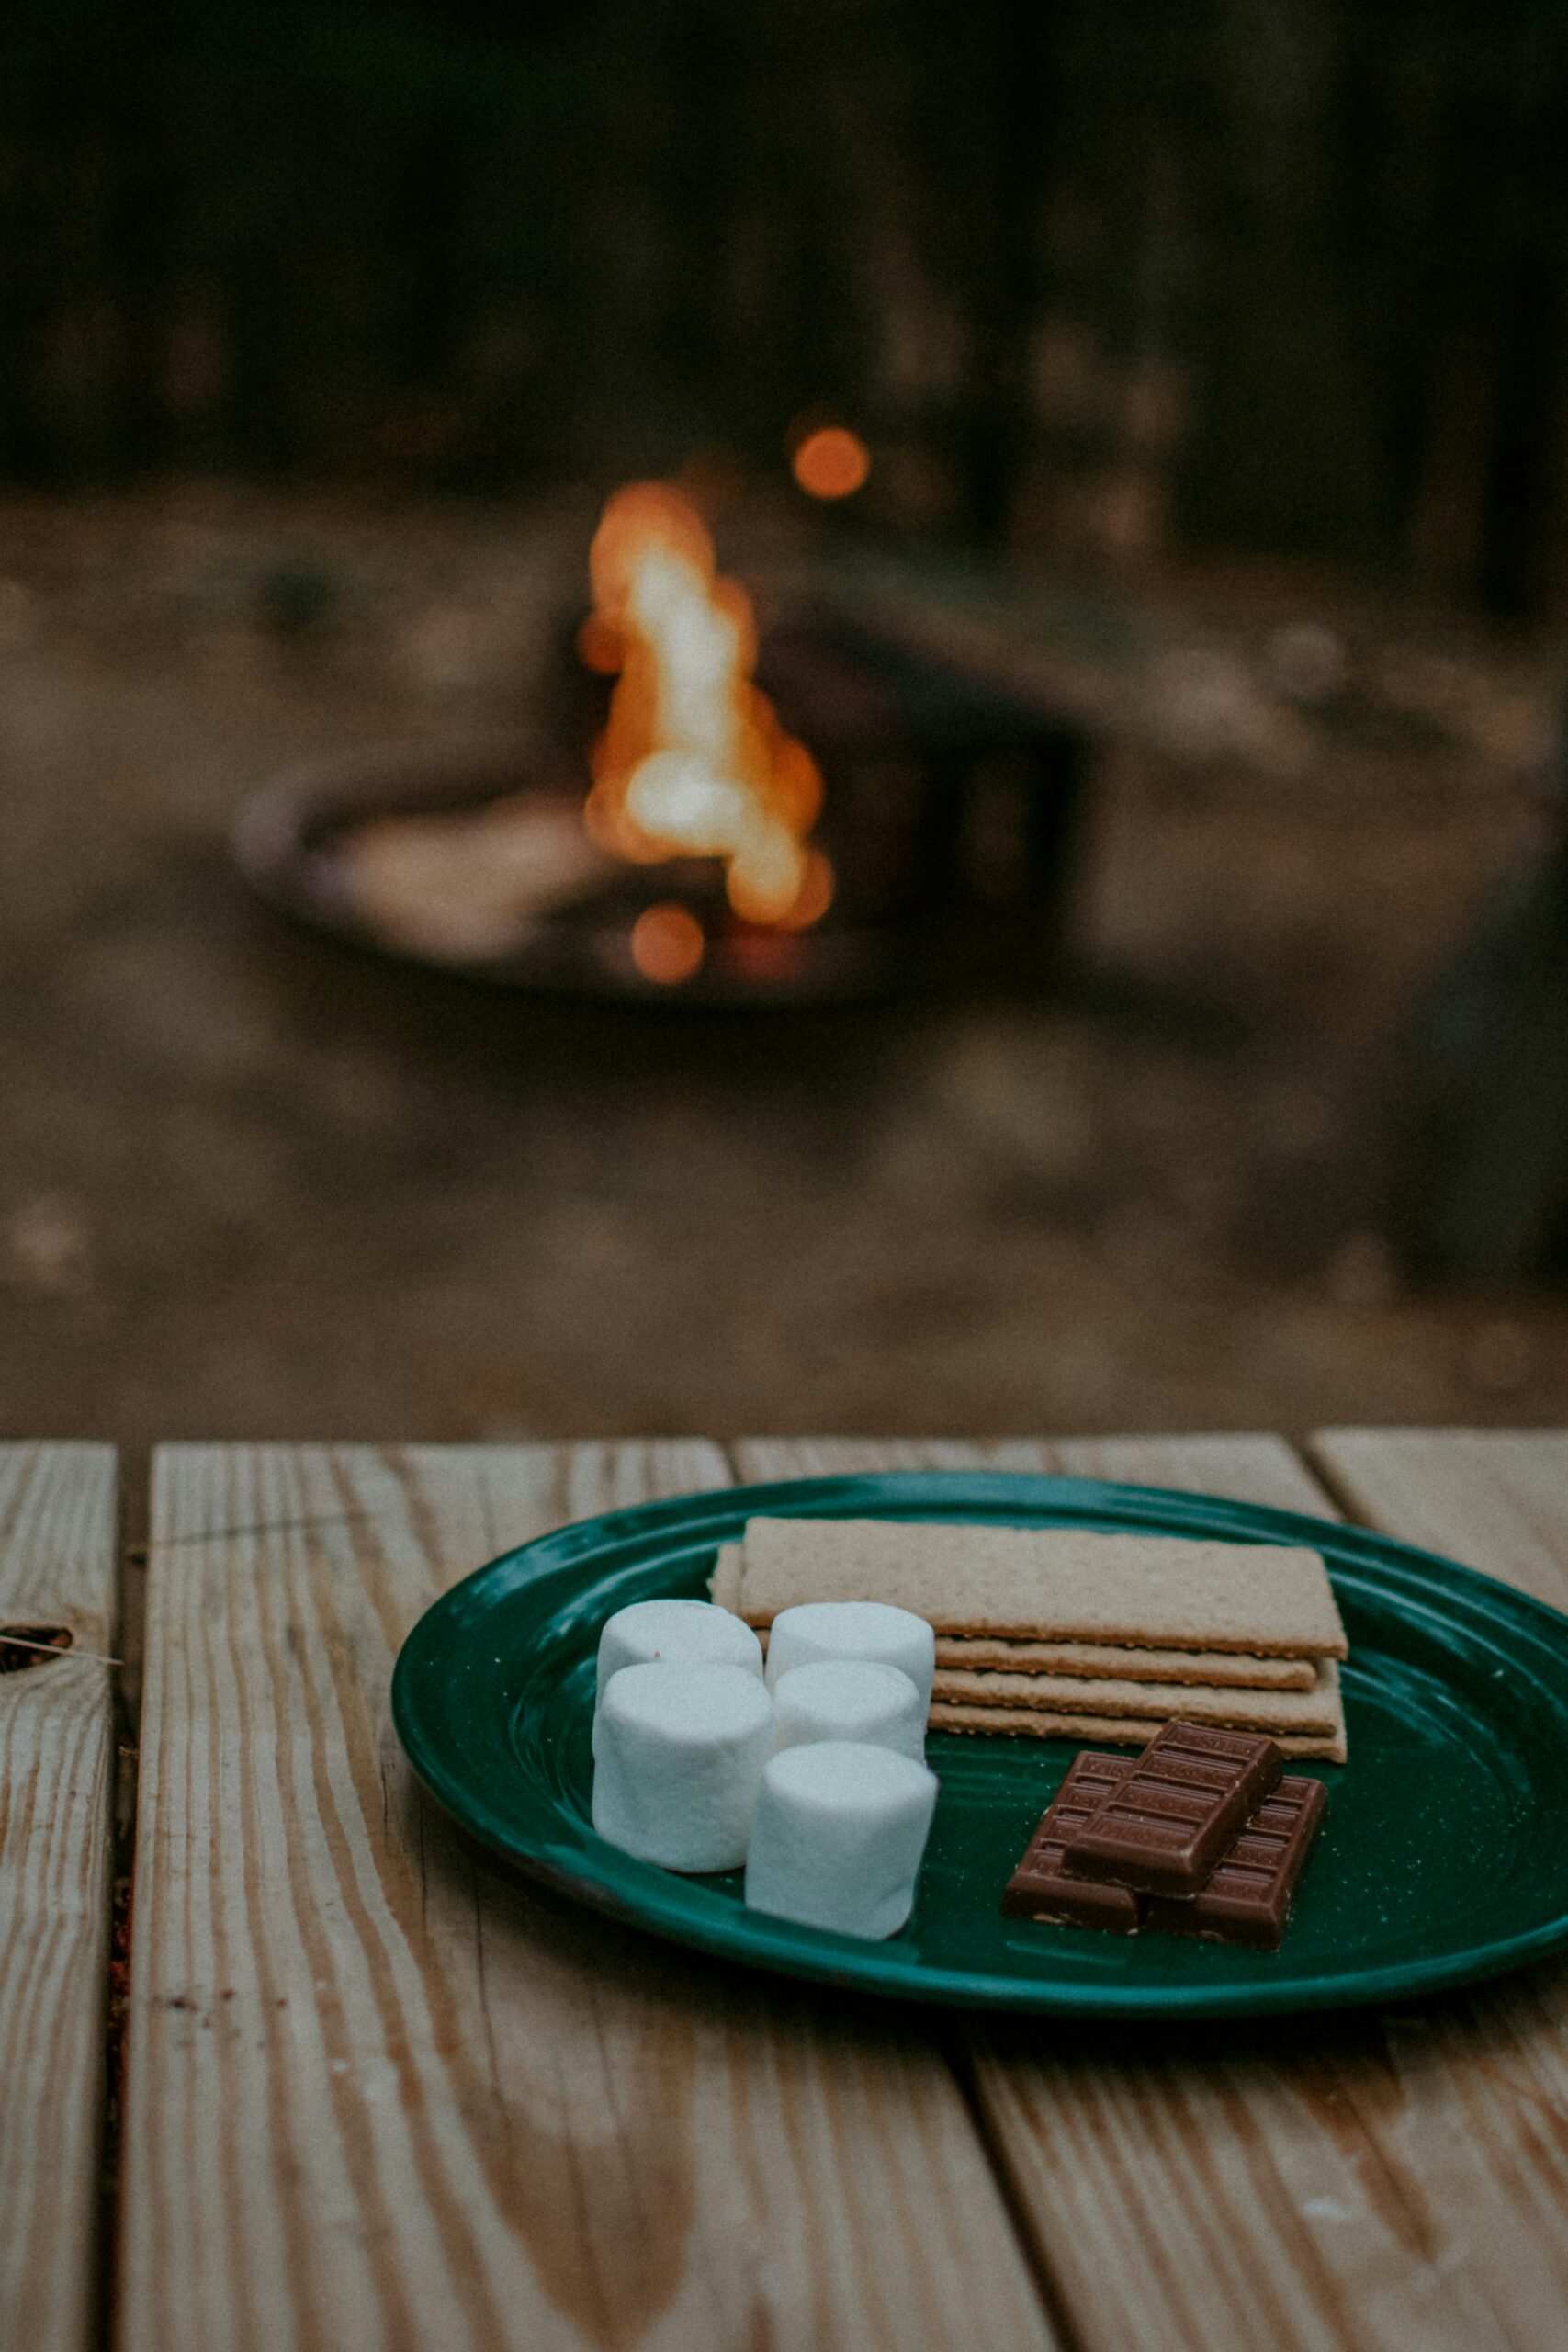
x=378, y=2094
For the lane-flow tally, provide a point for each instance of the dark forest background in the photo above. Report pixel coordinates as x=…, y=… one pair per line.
x=1284, y=275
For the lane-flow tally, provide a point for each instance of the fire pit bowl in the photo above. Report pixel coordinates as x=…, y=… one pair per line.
x=315, y=846
x=948, y=820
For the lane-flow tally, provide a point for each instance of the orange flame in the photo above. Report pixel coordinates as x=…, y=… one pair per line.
x=692, y=761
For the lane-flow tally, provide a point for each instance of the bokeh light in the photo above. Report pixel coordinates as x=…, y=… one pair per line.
x=832, y=462
x=667, y=944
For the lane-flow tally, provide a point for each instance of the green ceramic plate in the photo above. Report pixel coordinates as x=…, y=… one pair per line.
x=1444, y=1856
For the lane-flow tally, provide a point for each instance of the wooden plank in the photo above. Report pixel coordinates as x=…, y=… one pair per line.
x=57, y=1539
x=1262, y=1469
x=1497, y=1500
x=1394, y=2180
x=379, y=2095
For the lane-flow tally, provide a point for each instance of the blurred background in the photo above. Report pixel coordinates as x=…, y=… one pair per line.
x=1202, y=605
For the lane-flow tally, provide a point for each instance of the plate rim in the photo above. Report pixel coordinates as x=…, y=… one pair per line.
x=659, y=1903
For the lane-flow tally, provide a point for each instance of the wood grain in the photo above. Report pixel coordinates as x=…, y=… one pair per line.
x=380, y=2096
x=1261, y=1468
x=1398, y=2181
x=1498, y=1499
x=57, y=1506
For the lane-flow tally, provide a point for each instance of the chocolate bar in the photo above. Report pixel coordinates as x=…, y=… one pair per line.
x=1248, y=1897
x=1163, y=1826
x=1039, y=1888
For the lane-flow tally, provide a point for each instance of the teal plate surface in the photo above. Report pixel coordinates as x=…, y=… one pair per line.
x=1443, y=1856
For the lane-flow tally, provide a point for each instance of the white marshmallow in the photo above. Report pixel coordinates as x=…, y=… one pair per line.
x=837, y=1836
x=687, y=1633
x=679, y=1752
x=870, y=1632
x=841, y=1699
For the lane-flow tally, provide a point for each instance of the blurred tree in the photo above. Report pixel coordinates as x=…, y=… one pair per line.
x=1291, y=274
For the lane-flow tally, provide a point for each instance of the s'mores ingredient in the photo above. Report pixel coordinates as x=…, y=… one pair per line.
x=1248, y=1896
x=725, y=1582
x=1041, y=1889
x=838, y=1836
x=1116, y=1661
x=1246, y=1899
x=1317, y=1709
x=1118, y=1731
x=1164, y=1824
x=842, y=1699
x=982, y=1653
x=1041, y=1583
x=867, y=1631
x=679, y=1752
x=686, y=1632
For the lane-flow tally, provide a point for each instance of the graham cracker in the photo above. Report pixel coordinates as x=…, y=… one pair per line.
x=978, y=1653
x=1315, y=1710
x=1114, y=1730
x=1045, y=1584
x=724, y=1585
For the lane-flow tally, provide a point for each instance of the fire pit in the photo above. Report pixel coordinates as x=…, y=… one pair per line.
x=472, y=856
x=925, y=833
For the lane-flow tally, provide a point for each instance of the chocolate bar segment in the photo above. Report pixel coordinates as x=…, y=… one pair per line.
x=1248, y=1897
x=1040, y=1889
x=1165, y=1825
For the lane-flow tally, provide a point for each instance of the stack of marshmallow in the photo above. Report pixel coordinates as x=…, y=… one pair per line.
x=811, y=1771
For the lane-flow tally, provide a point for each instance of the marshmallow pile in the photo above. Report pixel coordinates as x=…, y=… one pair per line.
x=811, y=1773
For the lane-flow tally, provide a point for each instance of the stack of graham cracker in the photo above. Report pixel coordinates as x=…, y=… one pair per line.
x=1065, y=1633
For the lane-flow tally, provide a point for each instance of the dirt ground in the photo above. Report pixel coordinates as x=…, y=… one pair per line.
x=253, y=1182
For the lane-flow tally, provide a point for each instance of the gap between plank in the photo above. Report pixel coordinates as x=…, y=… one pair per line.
x=133, y=1520
x=1327, y=1476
